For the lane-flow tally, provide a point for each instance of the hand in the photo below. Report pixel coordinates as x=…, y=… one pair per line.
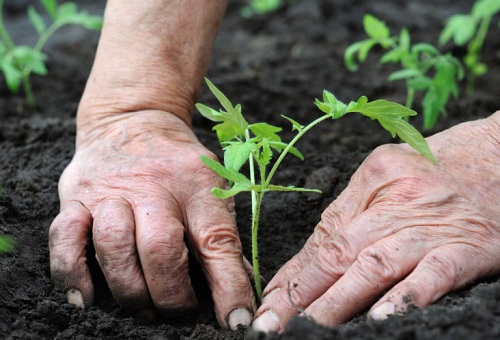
x=136, y=184
x=404, y=232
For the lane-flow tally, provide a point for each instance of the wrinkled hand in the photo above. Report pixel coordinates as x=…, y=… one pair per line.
x=136, y=184
x=404, y=232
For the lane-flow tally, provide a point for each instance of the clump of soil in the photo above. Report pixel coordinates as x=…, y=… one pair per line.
x=273, y=64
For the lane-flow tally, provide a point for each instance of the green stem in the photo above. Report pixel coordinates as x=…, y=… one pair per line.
x=255, y=245
x=473, y=49
x=290, y=145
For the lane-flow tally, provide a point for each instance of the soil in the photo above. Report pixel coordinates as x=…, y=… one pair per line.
x=273, y=64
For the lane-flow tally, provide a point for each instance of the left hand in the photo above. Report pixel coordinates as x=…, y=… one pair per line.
x=404, y=232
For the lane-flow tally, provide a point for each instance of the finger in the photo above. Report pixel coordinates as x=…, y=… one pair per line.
x=114, y=242
x=68, y=237
x=331, y=261
x=441, y=271
x=164, y=255
x=214, y=235
x=338, y=215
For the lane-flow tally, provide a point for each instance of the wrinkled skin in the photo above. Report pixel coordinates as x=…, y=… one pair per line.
x=404, y=232
x=138, y=187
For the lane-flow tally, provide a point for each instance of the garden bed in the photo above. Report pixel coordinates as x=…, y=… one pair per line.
x=273, y=64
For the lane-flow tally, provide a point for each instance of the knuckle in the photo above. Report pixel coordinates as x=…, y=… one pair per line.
x=219, y=239
x=165, y=243
x=442, y=267
x=334, y=255
x=376, y=266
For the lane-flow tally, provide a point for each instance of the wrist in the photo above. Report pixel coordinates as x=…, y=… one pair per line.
x=125, y=129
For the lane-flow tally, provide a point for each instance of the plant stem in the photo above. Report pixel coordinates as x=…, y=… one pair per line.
x=290, y=145
x=473, y=49
x=255, y=246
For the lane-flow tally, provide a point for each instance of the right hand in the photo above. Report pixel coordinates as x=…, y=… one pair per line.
x=137, y=185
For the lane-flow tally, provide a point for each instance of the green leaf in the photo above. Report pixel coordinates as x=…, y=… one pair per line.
x=404, y=40
x=291, y=188
x=66, y=11
x=234, y=190
x=404, y=74
x=295, y=125
x=29, y=58
x=264, y=130
x=265, y=155
x=13, y=76
x=236, y=154
x=50, y=7
x=393, y=56
x=460, y=27
x=425, y=48
x=485, y=8
x=229, y=174
x=374, y=27
x=232, y=125
x=280, y=146
x=36, y=20
x=391, y=116
x=331, y=105
x=361, y=48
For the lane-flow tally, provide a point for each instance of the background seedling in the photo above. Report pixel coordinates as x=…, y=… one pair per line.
x=6, y=242
x=18, y=62
x=471, y=30
x=257, y=144
x=423, y=67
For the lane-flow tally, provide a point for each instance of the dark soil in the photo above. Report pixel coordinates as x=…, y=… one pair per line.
x=274, y=64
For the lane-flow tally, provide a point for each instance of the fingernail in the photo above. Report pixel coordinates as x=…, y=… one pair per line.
x=268, y=296
x=267, y=322
x=383, y=311
x=239, y=316
x=74, y=297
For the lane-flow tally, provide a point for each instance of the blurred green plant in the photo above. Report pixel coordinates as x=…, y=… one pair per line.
x=18, y=62
x=7, y=243
x=423, y=67
x=260, y=7
x=471, y=30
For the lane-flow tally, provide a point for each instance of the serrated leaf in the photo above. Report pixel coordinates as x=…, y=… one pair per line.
x=236, y=154
x=36, y=20
x=265, y=155
x=29, y=58
x=391, y=116
x=374, y=27
x=233, y=124
x=229, y=174
x=291, y=188
x=331, y=105
x=350, y=54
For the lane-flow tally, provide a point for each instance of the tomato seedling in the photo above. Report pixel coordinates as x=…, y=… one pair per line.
x=6, y=244
x=471, y=30
x=257, y=143
x=423, y=67
x=18, y=62
x=260, y=7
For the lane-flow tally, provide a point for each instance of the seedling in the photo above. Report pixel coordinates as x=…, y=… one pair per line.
x=471, y=30
x=18, y=62
x=423, y=67
x=257, y=143
x=260, y=7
